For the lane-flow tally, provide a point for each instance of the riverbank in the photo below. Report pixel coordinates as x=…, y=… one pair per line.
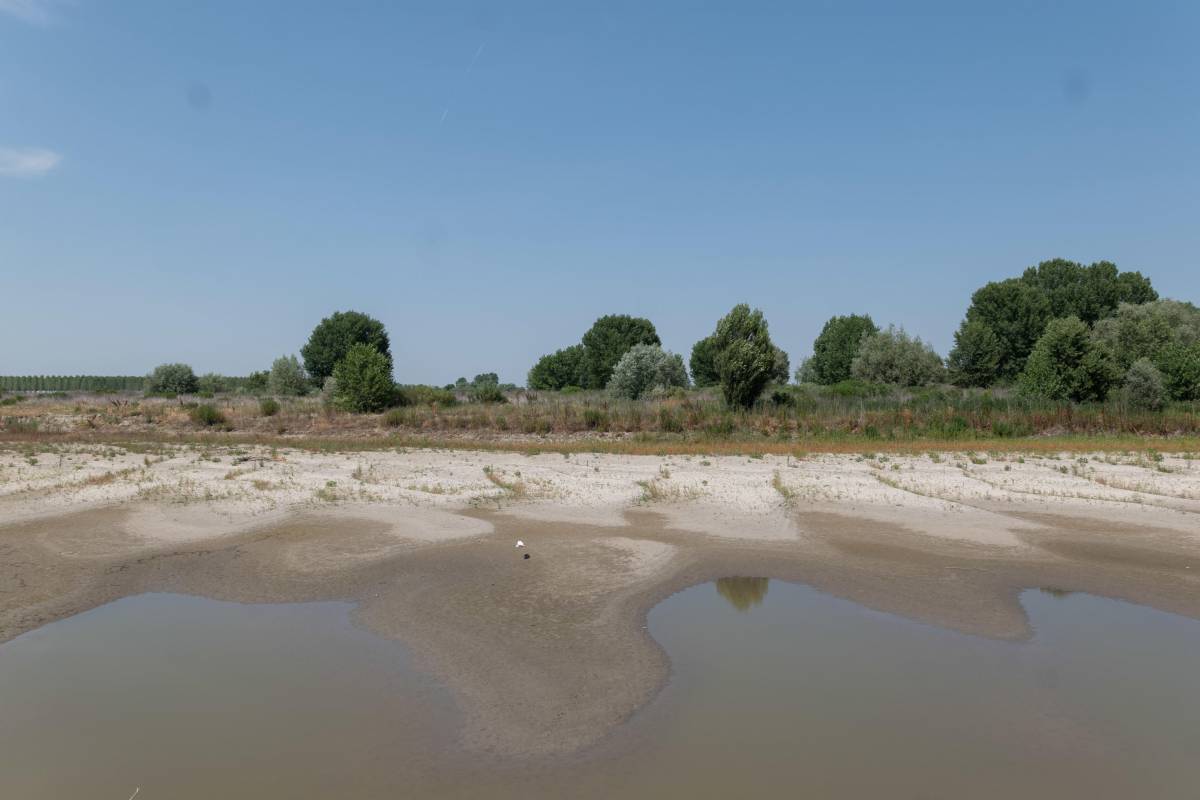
x=547, y=655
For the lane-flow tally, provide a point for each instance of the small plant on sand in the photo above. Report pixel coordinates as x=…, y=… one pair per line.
x=786, y=492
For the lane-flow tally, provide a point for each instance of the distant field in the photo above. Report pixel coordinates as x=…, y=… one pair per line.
x=792, y=419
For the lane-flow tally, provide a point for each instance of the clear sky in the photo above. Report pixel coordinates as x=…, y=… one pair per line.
x=203, y=181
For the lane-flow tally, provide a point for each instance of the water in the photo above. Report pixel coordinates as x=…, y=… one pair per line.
x=776, y=688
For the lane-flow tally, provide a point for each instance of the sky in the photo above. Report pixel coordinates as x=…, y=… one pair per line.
x=204, y=181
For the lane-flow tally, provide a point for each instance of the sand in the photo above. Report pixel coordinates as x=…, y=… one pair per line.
x=548, y=655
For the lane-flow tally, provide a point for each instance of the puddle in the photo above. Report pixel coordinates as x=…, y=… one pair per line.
x=776, y=688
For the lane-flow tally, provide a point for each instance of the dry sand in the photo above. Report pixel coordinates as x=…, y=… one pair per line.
x=547, y=655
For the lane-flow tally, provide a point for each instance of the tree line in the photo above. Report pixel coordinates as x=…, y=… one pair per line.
x=1060, y=331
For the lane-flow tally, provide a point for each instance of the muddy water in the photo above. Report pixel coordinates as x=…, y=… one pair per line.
x=775, y=688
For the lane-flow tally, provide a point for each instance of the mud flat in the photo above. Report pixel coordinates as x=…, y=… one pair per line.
x=545, y=656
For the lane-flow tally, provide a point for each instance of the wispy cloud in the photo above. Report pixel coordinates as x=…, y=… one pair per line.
x=27, y=162
x=36, y=12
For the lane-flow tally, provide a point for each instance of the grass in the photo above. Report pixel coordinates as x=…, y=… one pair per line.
x=811, y=420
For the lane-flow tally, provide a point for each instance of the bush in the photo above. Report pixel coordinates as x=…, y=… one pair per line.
x=557, y=370
x=607, y=340
x=975, y=359
x=256, y=382
x=645, y=367
x=1144, y=386
x=419, y=395
x=364, y=380
x=893, y=357
x=211, y=383
x=206, y=415
x=745, y=356
x=333, y=338
x=1067, y=365
x=172, y=379
x=287, y=377
x=835, y=349
x=268, y=406
x=396, y=418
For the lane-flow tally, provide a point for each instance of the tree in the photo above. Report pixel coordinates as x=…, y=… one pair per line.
x=703, y=363
x=332, y=339
x=781, y=369
x=172, y=379
x=609, y=339
x=558, y=370
x=894, y=357
x=975, y=359
x=1144, y=386
x=645, y=367
x=1148, y=329
x=212, y=383
x=745, y=356
x=1018, y=309
x=287, y=377
x=1067, y=365
x=1180, y=367
x=805, y=372
x=837, y=345
x=363, y=380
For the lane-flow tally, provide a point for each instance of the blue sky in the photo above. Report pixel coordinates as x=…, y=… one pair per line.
x=204, y=181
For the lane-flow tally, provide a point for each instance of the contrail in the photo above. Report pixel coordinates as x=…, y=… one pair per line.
x=475, y=58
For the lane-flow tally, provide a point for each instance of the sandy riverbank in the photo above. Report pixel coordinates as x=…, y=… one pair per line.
x=547, y=655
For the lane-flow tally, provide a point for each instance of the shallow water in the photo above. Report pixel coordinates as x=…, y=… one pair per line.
x=776, y=688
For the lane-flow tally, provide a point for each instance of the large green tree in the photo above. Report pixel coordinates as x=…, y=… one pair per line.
x=333, y=337
x=975, y=358
x=607, y=340
x=1148, y=329
x=558, y=370
x=745, y=355
x=894, y=357
x=1066, y=364
x=1017, y=309
x=172, y=379
x=837, y=345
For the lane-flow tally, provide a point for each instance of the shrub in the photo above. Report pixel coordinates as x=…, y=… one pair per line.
x=256, y=382
x=607, y=340
x=745, y=358
x=975, y=359
x=418, y=395
x=206, y=415
x=1144, y=386
x=364, y=380
x=396, y=418
x=333, y=338
x=172, y=379
x=645, y=367
x=287, y=377
x=211, y=383
x=1066, y=365
x=893, y=357
x=486, y=389
x=781, y=368
x=835, y=349
x=268, y=406
x=558, y=370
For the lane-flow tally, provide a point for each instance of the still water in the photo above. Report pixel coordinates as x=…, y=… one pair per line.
x=776, y=688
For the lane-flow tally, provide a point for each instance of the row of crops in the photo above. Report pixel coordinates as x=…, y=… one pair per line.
x=72, y=383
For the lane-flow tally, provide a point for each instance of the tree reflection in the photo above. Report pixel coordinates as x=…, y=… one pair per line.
x=743, y=593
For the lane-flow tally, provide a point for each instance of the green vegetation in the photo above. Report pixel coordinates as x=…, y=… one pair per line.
x=72, y=383
x=1144, y=386
x=645, y=367
x=364, y=380
x=333, y=338
x=893, y=357
x=608, y=339
x=745, y=355
x=558, y=370
x=1066, y=364
x=268, y=406
x=287, y=378
x=172, y=379
x=207, y=415
x=703, y=363
x=837, y=346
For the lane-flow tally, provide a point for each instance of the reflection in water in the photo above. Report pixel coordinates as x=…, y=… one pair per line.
x=1059, y=593
x=743, y=593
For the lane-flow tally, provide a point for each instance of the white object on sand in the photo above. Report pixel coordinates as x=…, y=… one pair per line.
x=520, y=543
